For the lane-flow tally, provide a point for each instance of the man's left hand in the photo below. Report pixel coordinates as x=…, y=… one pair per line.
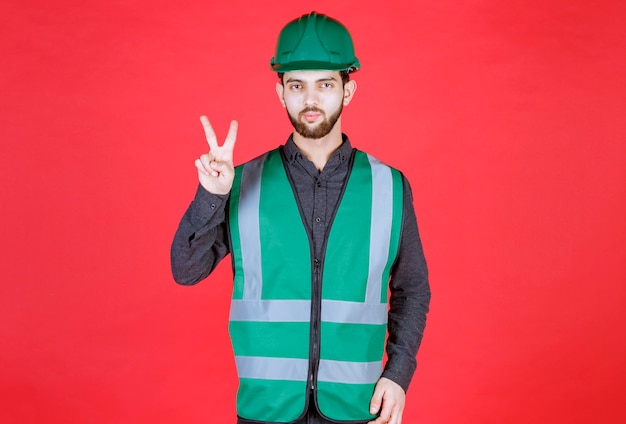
x=389, y=399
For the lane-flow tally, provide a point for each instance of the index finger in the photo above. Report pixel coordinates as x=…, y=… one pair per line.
x=208, y=132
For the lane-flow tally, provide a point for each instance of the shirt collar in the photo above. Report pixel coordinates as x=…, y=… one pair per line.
x=342, y=154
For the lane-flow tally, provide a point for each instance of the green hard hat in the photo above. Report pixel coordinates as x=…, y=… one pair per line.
x=314, y=42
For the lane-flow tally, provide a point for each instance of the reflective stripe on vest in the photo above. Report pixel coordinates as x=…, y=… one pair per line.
x=270, y=311
x=295, y=369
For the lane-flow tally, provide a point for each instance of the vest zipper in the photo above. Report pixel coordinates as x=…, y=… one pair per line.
x=316, y=307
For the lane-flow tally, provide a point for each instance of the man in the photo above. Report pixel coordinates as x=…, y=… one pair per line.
x=319, y=233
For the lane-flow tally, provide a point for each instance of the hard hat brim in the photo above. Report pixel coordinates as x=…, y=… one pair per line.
x=314, y=66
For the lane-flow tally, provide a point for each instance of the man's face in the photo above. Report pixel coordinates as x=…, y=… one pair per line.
x=314, y=100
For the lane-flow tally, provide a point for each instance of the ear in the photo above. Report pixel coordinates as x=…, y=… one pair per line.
x=280, y=89
x=348, y=92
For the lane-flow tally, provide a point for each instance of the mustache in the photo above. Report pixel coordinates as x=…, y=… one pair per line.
x=310, y=109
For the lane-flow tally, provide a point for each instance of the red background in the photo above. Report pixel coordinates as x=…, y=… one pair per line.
x=507, y=118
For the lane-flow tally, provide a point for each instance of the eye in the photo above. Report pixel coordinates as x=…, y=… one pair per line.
x=326, y=85
x=295, y=86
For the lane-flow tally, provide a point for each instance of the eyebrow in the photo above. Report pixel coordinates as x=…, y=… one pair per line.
x=319, y=80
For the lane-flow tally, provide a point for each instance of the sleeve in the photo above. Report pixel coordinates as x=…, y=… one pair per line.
x=409, y=300
x=201, y=240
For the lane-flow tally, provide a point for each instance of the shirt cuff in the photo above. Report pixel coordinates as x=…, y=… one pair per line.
x=398, y=377
x=206, y=206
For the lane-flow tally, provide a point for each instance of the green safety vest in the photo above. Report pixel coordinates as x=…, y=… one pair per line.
x=274, y=272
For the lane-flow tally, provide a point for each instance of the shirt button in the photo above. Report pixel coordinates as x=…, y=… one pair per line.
x=318, y=219
x=212, y=205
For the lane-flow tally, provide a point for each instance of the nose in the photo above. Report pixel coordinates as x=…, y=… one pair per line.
x=311, y=97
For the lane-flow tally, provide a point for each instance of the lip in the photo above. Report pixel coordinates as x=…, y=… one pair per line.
x=311, y=116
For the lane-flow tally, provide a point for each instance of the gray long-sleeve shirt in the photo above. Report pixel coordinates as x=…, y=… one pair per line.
x=201, y=241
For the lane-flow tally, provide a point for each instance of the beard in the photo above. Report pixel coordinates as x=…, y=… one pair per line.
x=318, y=131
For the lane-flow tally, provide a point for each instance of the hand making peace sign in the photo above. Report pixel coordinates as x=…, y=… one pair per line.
x=215, y=169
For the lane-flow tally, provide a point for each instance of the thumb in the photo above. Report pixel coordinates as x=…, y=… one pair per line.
x=223, y=168
x=377, y=400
